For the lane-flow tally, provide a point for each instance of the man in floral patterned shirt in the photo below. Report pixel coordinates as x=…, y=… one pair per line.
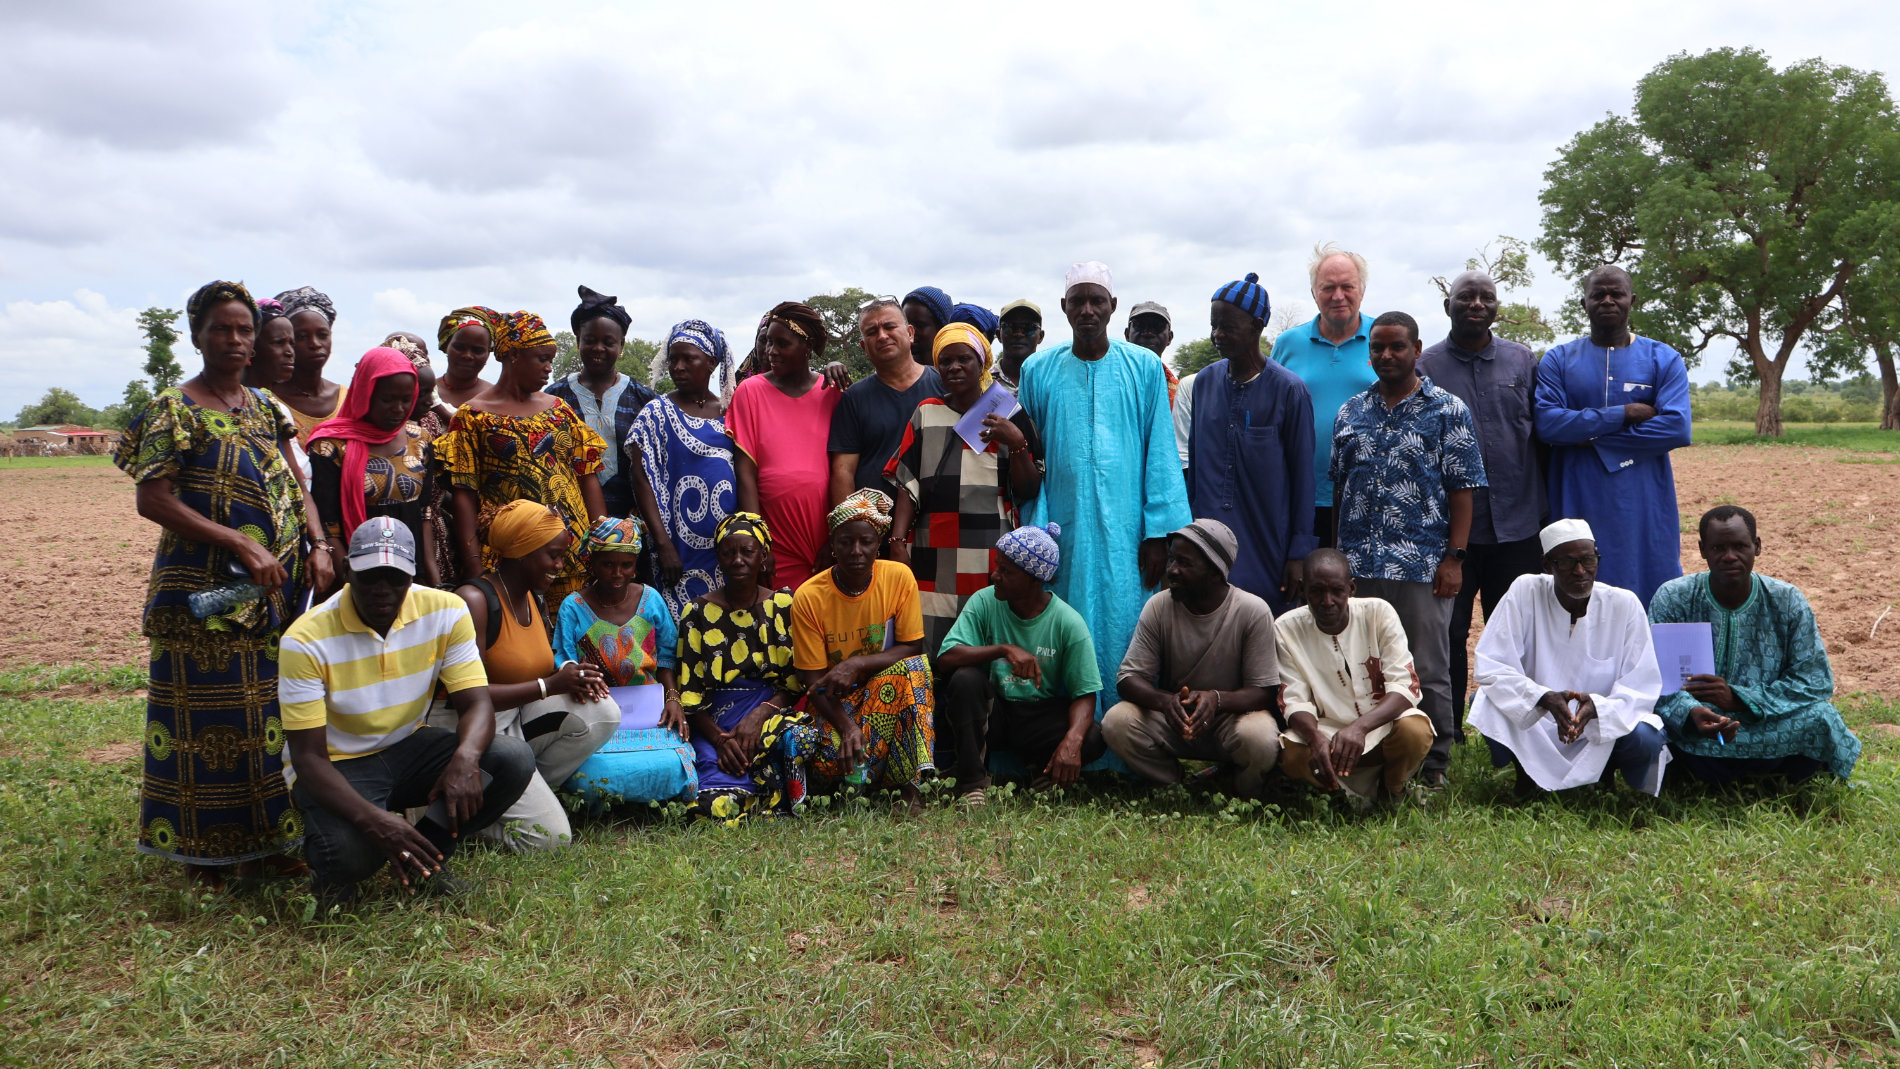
x=1405, y=460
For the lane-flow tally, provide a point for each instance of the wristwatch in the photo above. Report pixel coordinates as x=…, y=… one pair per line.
x=1456, y=553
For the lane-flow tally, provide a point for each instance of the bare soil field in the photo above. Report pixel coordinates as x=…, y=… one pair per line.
x=74, y=553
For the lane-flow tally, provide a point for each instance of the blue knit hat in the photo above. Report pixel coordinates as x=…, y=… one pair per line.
x=1249, y=296
x=934, y=299
x=1033, y=549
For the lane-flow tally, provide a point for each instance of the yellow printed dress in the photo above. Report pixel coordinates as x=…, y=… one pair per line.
x=213, y=791
x=540, y=458
x=730, y=662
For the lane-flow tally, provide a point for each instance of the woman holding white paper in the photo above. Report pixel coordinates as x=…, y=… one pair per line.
x=956, y=497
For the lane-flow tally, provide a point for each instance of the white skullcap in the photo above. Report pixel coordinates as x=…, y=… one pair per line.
x=1564, y=531
x=1093, y=272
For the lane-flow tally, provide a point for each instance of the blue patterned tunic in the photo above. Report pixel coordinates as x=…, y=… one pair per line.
x=1394, y=472
x=1771, y=655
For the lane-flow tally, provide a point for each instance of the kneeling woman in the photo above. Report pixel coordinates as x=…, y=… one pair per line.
x=738, y=684
x=564, y=712
x=857, y=637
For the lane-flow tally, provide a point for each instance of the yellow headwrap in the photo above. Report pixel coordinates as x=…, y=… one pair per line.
x=521, y=527
x=964, y=334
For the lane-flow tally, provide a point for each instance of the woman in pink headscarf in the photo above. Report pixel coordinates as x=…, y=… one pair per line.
x=367, y=460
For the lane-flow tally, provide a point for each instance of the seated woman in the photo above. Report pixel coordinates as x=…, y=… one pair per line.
x=564, y=712
x=857, y=639
x=373, y=449
x=738, y=684
x=616, y=624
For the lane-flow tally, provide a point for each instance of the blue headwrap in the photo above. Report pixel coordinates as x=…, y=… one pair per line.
x=1249, y=296
x=707, y=339
x=934, y=299
x=1033, y=549
x=977, y=316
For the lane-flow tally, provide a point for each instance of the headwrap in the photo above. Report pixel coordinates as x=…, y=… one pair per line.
x=1564, y=531
x=707, y=339
x=743, y=523
x=1033, y=549
x=1215, y=539
x=599, y=306
x=269, y=308
x=462, y=317
x=351, y=425
x=1092, y=272
x=416, y=354
x=934, y=299
x=516, y=332
x=871, y=506
x=616, y=536
x=520, y=527
x=804, y=321
x=212, y=294
x=965, y=334
x=308, y=299
x=977, y=316
x=1248, y=295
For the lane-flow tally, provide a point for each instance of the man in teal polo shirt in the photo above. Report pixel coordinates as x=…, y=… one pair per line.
x=1332, y=356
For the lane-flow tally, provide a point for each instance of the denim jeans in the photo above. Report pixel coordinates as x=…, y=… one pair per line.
x=400, y=777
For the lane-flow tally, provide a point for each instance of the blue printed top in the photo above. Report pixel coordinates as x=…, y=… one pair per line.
x=1394, y=472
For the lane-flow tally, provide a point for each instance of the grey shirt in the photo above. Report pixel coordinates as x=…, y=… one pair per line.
x=1229, y=648
x=1497, y=384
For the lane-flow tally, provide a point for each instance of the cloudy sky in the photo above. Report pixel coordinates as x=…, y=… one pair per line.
x=711, y=160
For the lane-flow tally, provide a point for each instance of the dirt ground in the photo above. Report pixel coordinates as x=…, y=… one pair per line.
x=74, y=553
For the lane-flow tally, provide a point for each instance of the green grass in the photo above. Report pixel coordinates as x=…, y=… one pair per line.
x=1855, y=437
x=1756, y=929
x=54, y=462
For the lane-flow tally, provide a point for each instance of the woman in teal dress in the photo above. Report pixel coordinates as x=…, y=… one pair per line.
x=209, y=459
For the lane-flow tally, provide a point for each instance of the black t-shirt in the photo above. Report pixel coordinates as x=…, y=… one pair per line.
x=870, y=422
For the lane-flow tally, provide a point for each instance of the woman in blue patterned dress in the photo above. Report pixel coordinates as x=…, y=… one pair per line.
x=681, y=456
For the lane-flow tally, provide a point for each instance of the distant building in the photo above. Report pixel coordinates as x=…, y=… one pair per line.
x=63, y=434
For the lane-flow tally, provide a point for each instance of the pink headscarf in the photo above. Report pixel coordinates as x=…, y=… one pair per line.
x=351, y=425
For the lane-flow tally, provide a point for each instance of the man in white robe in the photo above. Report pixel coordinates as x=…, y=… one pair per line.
x=1567, y=677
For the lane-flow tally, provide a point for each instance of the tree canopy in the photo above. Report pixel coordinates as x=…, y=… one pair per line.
x=1743, y=201
x=161, y=367
x=58, y=406
x=1508, y=262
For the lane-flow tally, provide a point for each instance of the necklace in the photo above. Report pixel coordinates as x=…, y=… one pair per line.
x=852, y=593
x=225, y=402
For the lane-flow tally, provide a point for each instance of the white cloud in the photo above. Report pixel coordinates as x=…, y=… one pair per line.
x=412, y=157
x=83, y=343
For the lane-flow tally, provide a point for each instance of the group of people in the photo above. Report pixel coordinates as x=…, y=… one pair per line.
x=429, y=599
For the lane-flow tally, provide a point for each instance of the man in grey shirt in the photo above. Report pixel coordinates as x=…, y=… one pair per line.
x=1200, y=674
x=1495, y=378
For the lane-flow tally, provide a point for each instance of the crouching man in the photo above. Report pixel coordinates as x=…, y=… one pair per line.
x=1349, y=691
x=1567, y=679
x=355, y=676
x=1199, y=674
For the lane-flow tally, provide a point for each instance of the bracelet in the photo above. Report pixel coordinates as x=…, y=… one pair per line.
x=673, y=696
x=543, y=684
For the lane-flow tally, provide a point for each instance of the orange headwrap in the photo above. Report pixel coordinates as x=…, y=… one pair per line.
x=521, y=527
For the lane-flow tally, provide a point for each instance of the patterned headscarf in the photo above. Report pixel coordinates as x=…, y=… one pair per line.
x=269, y=308
x=598, y=306
x=518, y=331
x=871, y=506
x=462, y=317
x=212, y=294
x=744, y=523
x=612, y=535
x=308, y=299
x=520, y=527
x=1248, y=295
x=402, y=344
x=970, y=335
x=804, y=321
x=707, y=339
x=1033, y=549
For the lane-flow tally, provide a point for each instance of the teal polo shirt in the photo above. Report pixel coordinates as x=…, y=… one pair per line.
x=1332, y=374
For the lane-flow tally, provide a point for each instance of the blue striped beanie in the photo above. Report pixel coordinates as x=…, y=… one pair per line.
x=1248, y=295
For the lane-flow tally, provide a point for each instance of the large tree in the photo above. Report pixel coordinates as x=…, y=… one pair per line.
x=1742, y=199
x=58, y=406
x=840, y=313
x=1869, y=325
x=160, y=365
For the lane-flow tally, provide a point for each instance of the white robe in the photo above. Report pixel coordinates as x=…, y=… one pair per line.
x=1531, y=647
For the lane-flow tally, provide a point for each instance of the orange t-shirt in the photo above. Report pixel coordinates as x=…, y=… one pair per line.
x=828, y=626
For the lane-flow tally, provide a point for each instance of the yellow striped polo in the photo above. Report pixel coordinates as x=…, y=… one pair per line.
x=372, y=690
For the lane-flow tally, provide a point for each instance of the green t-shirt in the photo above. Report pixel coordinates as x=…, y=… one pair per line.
x=1057, y=636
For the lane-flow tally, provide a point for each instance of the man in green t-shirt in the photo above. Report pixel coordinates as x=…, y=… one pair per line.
x=1018, y=672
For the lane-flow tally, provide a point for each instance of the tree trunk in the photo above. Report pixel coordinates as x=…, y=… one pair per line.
x=1889, y=388
x=1768, y=412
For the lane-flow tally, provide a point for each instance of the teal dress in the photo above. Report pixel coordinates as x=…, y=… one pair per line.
x=1770, y=653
